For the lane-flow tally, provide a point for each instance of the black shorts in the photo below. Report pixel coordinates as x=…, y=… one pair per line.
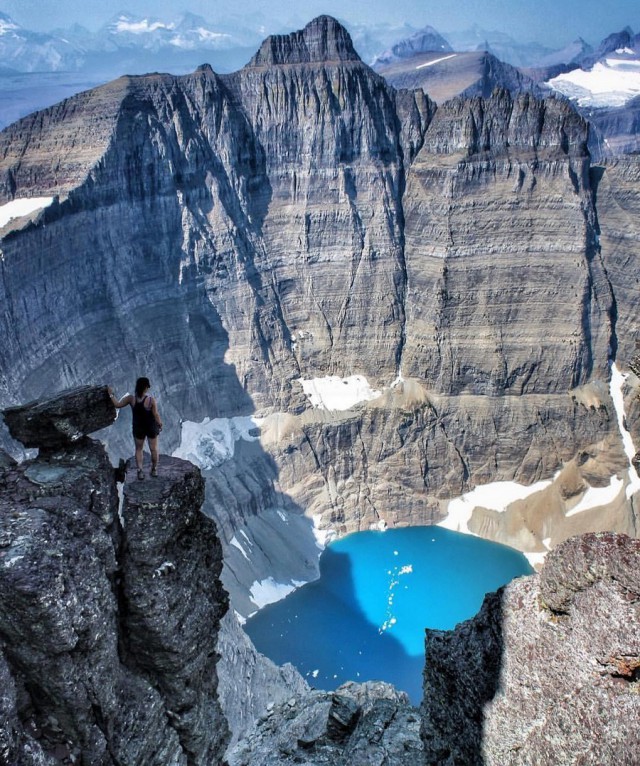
x=146, y=432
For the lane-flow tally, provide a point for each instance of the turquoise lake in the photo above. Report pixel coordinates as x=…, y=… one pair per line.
x=364, y=619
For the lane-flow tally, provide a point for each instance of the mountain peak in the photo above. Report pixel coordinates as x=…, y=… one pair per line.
x=425, y=40
x=323, y=39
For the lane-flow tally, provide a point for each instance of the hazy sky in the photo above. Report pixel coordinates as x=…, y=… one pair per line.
x=551, y=21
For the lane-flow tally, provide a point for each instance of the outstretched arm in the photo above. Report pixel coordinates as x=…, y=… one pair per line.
x=127, y=399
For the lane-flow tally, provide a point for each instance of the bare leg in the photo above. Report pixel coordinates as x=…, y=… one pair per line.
x=153, y=446
x=139, y=456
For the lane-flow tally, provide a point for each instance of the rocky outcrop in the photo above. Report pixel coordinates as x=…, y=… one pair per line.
x=548, y=671
x=58, y=422
x=109, y=613
x=358, y=724
x=323, y=40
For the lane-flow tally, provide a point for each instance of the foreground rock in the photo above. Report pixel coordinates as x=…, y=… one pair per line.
x=249, y=682
x=548, y=671
x=108, y=622
x=61, y=420
x=356, y=725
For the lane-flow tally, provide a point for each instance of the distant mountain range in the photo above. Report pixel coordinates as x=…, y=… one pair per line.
x=473, y=62
x=128, y=43
x=136, y=44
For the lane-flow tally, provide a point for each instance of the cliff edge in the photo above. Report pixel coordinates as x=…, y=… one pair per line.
x=549, y=669
x=110, y=603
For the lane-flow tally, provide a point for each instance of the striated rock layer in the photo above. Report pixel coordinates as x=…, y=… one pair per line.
x=548, y=671
x=231, y=235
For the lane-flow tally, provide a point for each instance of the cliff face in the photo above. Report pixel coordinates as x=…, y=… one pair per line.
x=548, y=671
x=300, y=218
x=109, y=612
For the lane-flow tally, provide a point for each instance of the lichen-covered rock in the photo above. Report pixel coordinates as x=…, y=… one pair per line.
x=581, y=562
x=522, y=684
x=61, y=420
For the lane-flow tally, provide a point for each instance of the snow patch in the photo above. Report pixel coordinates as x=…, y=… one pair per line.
x=496, y=496
x=212, y=442
x=240, y=618
x=615, y=389
x=323, y=536
x=236, y=544
x=123, y=24
x=611, y=83
x=7, y=26
x=269, y=591
x=19, y=207
x=334, y=393
x=596, y=496
x=536, y=558
x=437, y=61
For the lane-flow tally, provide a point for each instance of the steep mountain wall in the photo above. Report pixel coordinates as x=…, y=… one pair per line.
x=230, y=235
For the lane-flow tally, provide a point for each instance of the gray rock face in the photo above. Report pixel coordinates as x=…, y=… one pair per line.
x=229, y=236
x=357, y=725
x=490, y=156
x=323, y=40
x=61, y=420
x=108, y=622
x=249, y=683
x=548, y=671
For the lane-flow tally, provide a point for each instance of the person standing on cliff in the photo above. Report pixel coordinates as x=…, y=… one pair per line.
x=146, y=422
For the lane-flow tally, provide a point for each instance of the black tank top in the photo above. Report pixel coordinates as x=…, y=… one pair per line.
x=143, y=418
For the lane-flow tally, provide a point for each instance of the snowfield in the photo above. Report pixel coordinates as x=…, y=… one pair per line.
x=269, y=591
x=334, y=393
x=212, y=442
x=612, y=83
x=19, y=207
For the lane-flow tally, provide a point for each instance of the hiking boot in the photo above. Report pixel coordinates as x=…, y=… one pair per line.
x=140, y=475
x=154, y=470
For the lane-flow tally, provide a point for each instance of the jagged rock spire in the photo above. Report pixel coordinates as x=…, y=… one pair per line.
x=323, y=39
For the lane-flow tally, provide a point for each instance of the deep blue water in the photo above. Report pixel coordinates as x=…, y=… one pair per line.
x=364, y=619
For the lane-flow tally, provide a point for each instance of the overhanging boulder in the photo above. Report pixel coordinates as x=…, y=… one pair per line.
x=61, y=420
